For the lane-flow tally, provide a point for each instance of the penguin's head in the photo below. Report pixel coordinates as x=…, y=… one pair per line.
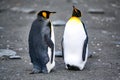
x=45, y=14
x=76, y=12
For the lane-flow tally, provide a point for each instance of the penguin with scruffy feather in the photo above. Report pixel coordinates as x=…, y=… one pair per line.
x=75, y=42
x=41, y=43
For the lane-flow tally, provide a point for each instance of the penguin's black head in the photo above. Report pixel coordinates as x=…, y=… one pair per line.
x=45, y=14
x=76, y=12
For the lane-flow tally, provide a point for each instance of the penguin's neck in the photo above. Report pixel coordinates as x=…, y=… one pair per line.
x=40, y=18
x=74, y=18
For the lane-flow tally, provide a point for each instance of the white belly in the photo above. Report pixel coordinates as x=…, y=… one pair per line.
x=49, y=65
x=74, y=37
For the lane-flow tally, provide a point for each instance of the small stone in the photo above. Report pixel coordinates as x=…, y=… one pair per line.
x=117, y=45
x=74, y=1
x=16, y=40
x=99, y=60
x=17, y=74
x=115, y=5
x=30, y=63
x=90, y=55
x=104, y=32
x=95, y=18
x=7, y=41
x=1, y=28
x=7, y=52
x=20, y=49
x=99, y=49
x=25, y=61
x=59, y=23
x=58, y=54
x=98, y=44
x=96, y=11
x=24, y=10
x=108, y=19
x=113, y=36
x=8, y=46
x=94, y=38
x=94, y=52
x=15, y=57
x=1, y=36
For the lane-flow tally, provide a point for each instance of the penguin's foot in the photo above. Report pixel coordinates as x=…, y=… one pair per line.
x=44, y=71
x=35, y=71
x=72, y=67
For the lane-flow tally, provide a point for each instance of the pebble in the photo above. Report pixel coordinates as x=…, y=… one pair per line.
x=99, y=49
x=7, y=52
x=7, y=41
x=58, y=53
x=15, y=57
x=108, y=19
x=20, y=49
x=117, y=45
x=115, y=5
x=99, y=60
x=8, y=46
x=59, y=23
x=1, y=36
x=1, y=28
x=113, y=36
x=104, y=32
x=94, y=38
x=96, y=11
x=30, y=63
x=98, y=44
x=74, y=1
x=94, y=52
x=24, y=10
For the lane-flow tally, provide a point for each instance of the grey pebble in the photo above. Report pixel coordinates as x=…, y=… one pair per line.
x=59, y=23
x=15, y=57
x=96, y=11
x=58, y=53
x=7, y=52
x=24, y=10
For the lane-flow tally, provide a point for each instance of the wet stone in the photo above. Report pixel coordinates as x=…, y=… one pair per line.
x=7, y=52
x=59, y=23
x=104, y=32
x=96, y=11
x=117, y=45
x=15, y=57
x=24, y=10
x=1, y=28
x=94, y=52
x=99, y=49
x=58, y=53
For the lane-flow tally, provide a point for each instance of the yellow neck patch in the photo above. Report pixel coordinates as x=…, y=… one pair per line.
x=75, y=19
x=44, y=14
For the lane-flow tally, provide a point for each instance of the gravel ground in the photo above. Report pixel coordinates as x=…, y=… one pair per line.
x=102, y=21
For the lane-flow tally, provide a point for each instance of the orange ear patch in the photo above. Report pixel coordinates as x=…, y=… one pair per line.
x=75, y=9
x=44, y=14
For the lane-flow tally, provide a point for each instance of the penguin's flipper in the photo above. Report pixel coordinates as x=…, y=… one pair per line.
x=84, y=49
x=62, y=48
x=50, y=44
x=85, y=43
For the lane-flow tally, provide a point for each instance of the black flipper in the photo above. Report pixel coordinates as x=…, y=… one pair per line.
x=62, y=48
x=85, y=44
x=50, y=44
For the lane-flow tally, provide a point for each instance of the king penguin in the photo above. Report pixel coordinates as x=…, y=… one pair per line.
x=42, y=44
x=75, y=42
